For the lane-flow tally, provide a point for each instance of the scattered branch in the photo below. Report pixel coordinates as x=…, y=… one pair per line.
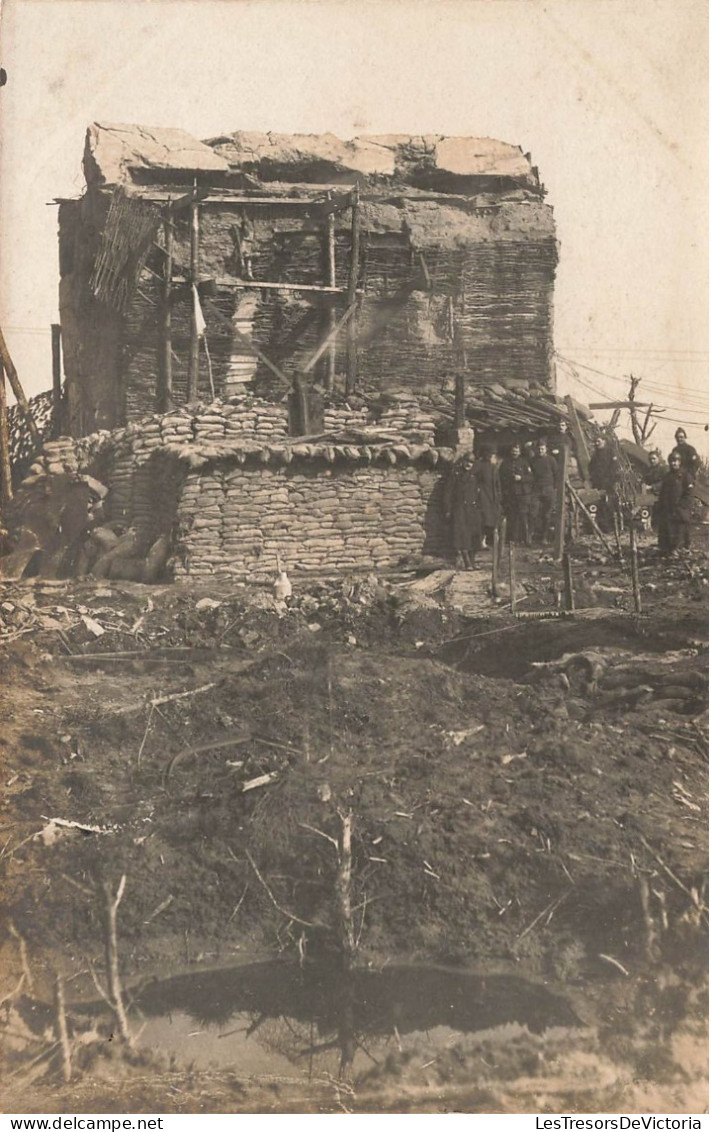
x=320, y=833
x=693, y=896
x=270, y=894
x=23, y=954
x=615, y=962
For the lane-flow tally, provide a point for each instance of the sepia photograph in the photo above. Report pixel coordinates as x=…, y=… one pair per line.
x=354, y=558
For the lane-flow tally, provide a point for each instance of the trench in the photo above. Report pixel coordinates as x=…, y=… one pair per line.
x=508, y=654
x=275, y=1017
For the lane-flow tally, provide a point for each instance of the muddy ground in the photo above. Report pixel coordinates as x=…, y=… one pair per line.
x=528, y=801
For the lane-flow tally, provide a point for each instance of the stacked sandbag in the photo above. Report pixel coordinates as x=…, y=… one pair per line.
x=326, y=509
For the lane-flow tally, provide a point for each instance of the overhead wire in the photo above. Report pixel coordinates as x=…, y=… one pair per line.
x=685, y=404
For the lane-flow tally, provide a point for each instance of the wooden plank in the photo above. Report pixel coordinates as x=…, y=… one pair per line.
x=352, y=352
x=17, y=389
x=5, y=466
x=56, y=380
x=194, y=358
x=581, y=447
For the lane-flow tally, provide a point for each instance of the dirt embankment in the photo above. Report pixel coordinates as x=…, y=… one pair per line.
x=208, y=745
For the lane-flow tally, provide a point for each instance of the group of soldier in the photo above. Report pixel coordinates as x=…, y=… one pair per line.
x=523, y=487
x=673, y=485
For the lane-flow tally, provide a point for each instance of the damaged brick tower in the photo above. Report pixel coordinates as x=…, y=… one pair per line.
x=368, y=267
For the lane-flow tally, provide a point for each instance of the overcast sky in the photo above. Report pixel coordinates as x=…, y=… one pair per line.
x=608, y=96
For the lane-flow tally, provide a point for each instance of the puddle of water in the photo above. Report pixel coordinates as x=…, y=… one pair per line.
x=274, y=1018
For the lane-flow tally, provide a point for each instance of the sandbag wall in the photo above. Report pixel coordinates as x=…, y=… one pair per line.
x=239, y=518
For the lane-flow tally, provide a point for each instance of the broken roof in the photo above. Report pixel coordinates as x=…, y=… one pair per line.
x=114, y=153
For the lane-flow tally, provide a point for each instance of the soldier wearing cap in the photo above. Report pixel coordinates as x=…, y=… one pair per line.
x=688, y=456
x=461, y=508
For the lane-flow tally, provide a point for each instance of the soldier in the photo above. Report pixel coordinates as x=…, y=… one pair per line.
x=655, y=472
x=605, y=475
x=487, y=471
x=675, y=507
x=545, y=477
x=689, y=456
x=461, y=508
x=517, y=489
x=559, y=441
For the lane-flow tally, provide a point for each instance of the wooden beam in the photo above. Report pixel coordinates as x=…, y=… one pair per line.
x=194, y=358
x=5, y=465
x=17, y=389
x=164, y=393
x=331, y=336
x=269, y=285
x=224, y=198
x=262, y=357
x=352, y=355
x=331, y=314
x=582, y=454
x=57, y=422
x=620, y=405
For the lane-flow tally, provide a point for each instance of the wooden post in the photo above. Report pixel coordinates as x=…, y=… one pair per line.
x=503, y=532
x=113, y=977
x=616, y=527
x=62, y=1033
x=581, y=445
x=344, y=912
x=635, y=569
x=5, y=465
x=194, y=359
x=495, y=563
x=512, y=577
x=460, y=419
x=17, y=389
x=559, y=536
x=352, y=357
x=57, y=422
x=331, y=282
x=164, y=399
x=568, y=582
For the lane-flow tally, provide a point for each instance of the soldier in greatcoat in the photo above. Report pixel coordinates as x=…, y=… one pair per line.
x=461, y=508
